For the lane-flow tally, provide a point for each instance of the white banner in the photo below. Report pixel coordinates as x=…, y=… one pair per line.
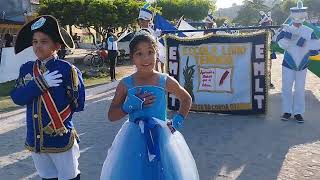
x=222, y=72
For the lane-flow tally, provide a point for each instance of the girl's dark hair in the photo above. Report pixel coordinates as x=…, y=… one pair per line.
x=142, y=36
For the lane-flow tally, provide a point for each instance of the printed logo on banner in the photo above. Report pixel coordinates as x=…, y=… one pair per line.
x=215, y=79
x=224, y=77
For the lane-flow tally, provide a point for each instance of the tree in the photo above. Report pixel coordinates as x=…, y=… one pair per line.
x=128, y=11
x=190, y=9
x=249, y=12
x=281, y=12
x=221, y=20
x=67, y=11
x=278, y=15
x=100, y=15
x=103, y=15
x=313, y=8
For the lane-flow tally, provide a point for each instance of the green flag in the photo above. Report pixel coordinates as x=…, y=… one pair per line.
x=314, y=65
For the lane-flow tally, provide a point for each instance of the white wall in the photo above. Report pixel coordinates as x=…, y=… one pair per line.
x=10, y=63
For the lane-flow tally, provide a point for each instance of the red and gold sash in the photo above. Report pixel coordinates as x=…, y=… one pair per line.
x=57, y=118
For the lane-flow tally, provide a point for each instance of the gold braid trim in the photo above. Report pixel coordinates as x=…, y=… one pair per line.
x=64, y=149
x=75, y=83
x=48, y=130
x=29, y=148
x=43, y=82
x=39, y=84
x=74, y=78
x=20, y=82
x=74, y=136
x=192, y=39
x=267, y=52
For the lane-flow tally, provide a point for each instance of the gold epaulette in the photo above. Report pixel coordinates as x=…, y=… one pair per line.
x=74, y=78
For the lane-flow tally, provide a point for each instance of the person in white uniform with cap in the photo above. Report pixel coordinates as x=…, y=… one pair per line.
x=210, y=22
x=145, y=22
x=265, y=18
x=299, y=42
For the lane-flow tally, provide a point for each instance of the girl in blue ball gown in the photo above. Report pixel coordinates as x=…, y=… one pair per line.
x=148, y=146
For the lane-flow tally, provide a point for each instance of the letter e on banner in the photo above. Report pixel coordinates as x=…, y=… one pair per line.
x=260, y=51
x=173, y=53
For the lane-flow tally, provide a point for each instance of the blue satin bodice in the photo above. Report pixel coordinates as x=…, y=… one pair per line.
x=159, y=107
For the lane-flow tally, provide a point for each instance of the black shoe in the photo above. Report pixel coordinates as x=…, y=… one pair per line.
x=285, y=116
x=299, y=118
x=271, y=86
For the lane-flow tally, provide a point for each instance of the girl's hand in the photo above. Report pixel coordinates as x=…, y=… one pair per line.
x=169, y=124
x=147, y=97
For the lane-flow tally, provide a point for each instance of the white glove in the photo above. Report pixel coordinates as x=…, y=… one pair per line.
x=157, y=33
x=295, y=33
x=285, y=27
x=306, y=36
x=52, y=78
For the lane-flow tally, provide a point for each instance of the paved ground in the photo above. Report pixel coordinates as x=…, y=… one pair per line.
x=77, y=55
x=225, y=147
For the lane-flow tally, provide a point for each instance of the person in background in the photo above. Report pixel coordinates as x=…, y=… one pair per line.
x=76, y=39
x=266, y=20
x=8, y=38
x=112, y=47
x=210, y=23
x=145, y=22
x=299, y=42
x=52, y=91
x=62, y=52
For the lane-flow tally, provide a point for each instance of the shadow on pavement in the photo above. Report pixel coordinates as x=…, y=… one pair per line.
x=224, y=146
x=248, y=147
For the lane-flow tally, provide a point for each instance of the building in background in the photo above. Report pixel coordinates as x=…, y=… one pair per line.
x=13, y=14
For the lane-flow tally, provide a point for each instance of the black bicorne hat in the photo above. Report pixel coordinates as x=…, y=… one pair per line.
x=46, y=24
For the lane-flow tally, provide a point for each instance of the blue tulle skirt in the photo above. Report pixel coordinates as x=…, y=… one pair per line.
x=129, y=156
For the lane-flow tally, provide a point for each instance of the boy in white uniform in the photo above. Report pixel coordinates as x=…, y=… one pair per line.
x=299, y=42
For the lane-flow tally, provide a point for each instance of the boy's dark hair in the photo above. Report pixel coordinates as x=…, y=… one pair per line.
x=142, y=36
x=50, y=34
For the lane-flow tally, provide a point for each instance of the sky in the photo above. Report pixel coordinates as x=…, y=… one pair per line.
x=227, y=3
